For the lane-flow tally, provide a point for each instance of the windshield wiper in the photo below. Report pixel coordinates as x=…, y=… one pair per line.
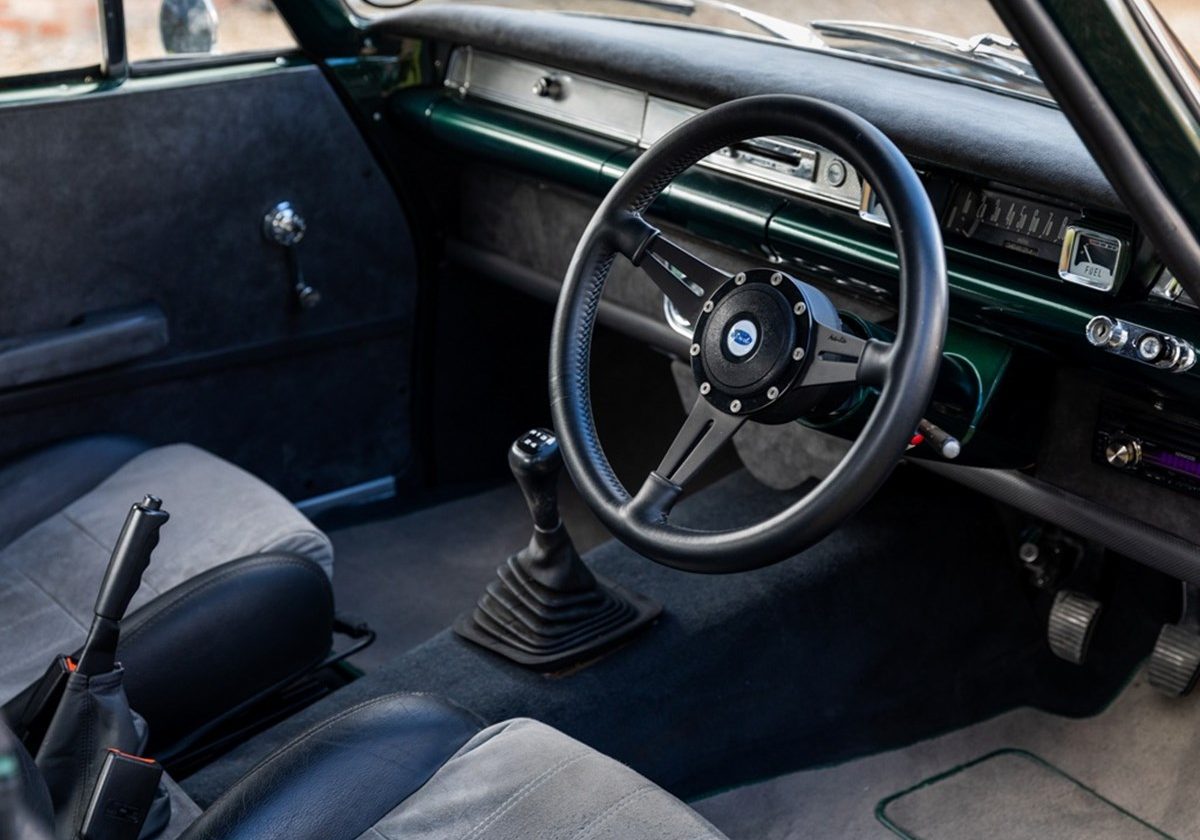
x=998, y=52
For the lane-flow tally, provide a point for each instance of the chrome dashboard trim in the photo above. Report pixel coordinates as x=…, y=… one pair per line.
x=640, y=119
x=592, y=104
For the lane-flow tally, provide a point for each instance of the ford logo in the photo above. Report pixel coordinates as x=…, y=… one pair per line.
x=741, y=338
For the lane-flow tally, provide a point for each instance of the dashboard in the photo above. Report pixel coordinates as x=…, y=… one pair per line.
x=1070, y=355
x=1083, y=246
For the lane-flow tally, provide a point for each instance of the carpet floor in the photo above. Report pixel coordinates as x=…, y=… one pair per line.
x=409, y=576
x=1137, y=754
x=749, y=676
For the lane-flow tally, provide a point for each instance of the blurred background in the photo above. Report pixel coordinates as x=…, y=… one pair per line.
x=46, y=35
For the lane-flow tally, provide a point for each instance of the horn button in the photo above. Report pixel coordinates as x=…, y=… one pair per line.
x=751, y=340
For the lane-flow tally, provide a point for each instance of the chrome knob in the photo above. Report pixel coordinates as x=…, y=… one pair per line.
x=284, y=225
x=1152, y=349
x=1123, y=452
x=1103, y=331
x=550, y=87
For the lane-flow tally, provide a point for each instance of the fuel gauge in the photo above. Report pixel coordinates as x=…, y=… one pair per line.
x=1090, y=258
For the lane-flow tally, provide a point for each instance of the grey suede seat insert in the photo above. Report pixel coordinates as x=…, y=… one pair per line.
x=523, y=780
x=49, y=576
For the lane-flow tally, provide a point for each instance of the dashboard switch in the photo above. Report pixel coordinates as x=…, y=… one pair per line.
x=1105, y=332
x=1142, y=344
x=1151, y=349
x=1123, y=451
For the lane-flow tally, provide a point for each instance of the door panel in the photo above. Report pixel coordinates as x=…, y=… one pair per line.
x=155, y=193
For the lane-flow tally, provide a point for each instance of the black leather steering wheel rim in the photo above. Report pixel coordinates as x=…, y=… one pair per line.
x=904, y=371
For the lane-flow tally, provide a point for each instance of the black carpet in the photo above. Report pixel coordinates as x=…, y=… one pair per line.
x=411, y=575
x=910, y=620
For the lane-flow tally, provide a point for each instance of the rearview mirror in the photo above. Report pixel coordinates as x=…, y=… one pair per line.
x=188, y=26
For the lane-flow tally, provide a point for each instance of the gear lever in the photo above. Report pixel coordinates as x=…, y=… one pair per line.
x=551, y=558
x=547, y=610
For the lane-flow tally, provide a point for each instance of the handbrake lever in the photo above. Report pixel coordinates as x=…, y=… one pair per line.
x=129, y=560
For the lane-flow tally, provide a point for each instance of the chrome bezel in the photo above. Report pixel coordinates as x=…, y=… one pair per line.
x=1071, y=239
x=865, y=211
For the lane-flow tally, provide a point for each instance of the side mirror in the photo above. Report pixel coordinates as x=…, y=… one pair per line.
x=188, y=26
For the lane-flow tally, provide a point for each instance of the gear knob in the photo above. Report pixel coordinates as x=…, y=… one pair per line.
x=536, y=462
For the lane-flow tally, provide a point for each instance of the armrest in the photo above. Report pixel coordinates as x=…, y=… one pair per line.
x=97, y=340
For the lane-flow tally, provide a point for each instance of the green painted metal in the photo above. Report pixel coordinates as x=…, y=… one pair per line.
x=972, y=369
x=374, y=78
x=571, y=157
x=1105, y=36
x=324, y=28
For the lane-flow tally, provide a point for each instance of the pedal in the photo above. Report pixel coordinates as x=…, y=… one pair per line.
x=1072, y=622
x=1175, y=662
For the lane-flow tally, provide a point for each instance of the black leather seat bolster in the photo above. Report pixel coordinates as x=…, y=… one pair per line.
x=340, y=778
x=34, y=802
x=221, y=639
x=44, y=482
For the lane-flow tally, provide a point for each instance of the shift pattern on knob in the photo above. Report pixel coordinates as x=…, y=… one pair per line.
x=536, y=462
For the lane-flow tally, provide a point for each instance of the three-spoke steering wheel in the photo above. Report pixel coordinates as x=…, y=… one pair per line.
x=767, y=347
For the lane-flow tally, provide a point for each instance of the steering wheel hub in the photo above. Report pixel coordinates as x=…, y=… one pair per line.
x=753, y=340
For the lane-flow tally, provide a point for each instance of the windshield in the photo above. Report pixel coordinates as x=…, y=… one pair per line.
x=963, y=39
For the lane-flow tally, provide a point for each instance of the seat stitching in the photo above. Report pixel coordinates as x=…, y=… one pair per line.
x=524, y=791
x=63, y=513
x=287, y=533
x=38, y=586
x=613, y=809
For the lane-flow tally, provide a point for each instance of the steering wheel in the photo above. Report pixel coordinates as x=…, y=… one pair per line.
x=767, y=347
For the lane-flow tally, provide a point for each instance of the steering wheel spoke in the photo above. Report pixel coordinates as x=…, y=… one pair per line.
x=684, y=278
x=703, y=433
x=842, y=358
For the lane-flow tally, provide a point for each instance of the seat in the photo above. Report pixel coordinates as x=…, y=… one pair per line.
x=415, y=767
x=236, y=599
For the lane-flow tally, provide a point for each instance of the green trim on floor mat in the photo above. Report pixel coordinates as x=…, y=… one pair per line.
x=911, y=833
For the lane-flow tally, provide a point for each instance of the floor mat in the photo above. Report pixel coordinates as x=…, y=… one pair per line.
x=1008, y=795
x=1139, y=754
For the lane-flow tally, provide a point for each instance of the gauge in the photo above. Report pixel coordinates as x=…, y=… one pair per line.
x=1090, y=258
